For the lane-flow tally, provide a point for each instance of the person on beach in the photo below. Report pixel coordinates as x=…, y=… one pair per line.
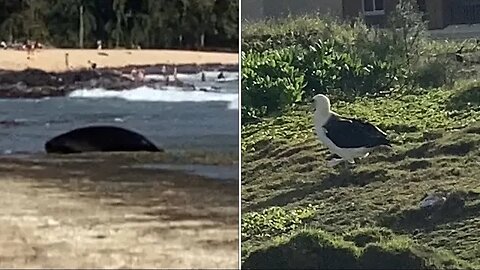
x=38, y=45
x=135, y=75
x=99, y=44
x=66, y=61
x=93, y=65
x=164, y=73
x=3, y=45
x=28, y=46
x=167, y=78
x=138, y=75
x=141, y=75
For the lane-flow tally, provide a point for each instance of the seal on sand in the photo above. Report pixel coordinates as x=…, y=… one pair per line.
x=99, y=139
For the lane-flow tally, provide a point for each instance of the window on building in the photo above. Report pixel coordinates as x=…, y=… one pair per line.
x=373, y=7
x=422, y=5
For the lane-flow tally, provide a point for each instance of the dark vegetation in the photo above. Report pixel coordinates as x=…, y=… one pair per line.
x=179, y=24
x=298, y=213
x=359, y=249
x=288, y=61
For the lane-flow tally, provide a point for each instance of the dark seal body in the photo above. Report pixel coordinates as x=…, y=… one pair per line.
x=99, y=139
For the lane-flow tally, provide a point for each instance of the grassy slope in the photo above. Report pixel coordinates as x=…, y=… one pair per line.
x=437, y=148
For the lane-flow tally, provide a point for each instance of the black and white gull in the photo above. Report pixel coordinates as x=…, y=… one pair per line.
x=346, y=137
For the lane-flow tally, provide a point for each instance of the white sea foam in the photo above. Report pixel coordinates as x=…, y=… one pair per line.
x=210, y=76
x=170, y=94
x=233, y=105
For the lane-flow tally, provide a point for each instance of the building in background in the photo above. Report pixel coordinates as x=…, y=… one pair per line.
x=439, y=13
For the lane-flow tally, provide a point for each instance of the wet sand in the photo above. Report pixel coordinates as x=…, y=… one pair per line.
x=53, y=60
x=89, y=211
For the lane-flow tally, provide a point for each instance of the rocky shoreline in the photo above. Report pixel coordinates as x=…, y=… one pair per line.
x=34, y=83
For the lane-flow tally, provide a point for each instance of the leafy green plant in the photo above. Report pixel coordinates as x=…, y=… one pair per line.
x=408, y=29
x=274, y=221
x=432, y=73
x=326, y=56
x=280, y=33
x=270, y=82
x=275, y=79
x=329, y=70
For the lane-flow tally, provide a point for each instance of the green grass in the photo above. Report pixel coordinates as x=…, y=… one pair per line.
x=298, y=213
x=436, y=148
x=403, y=115
x=317, y=249
x=274, y=221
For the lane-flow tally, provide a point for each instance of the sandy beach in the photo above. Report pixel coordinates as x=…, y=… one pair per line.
x=58, y=213
x=53, y=60
x=94, y=211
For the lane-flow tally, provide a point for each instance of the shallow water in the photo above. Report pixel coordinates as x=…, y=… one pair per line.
x=171, y=118
x=209, y=171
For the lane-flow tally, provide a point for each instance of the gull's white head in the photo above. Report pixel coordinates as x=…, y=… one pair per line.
x=322, y=105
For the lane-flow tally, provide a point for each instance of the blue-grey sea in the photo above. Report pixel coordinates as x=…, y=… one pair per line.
x=172, y=118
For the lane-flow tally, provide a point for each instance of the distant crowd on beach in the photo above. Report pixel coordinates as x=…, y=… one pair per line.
x=28, y=45
x=136, y=75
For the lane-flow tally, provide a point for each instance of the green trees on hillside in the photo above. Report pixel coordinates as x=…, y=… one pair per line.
x=192, y=24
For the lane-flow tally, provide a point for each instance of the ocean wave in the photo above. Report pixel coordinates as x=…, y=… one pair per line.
x=210, y=76
x=233, y=105
x=170, y=94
